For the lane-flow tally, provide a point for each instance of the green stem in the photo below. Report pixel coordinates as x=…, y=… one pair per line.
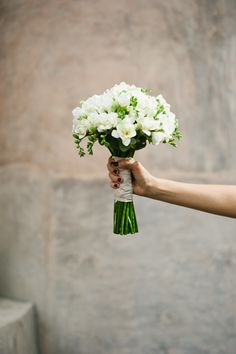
x=124, y=218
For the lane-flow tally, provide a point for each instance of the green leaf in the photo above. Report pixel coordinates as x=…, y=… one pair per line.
x=75, y=136
x=102, y=139
x=92, y=137
x=120, y=110
x=81, y=151
x=173, y=143
x=123, y=147
x=133, y=101
x=90, y=148
x=160, y=109
x=140, y=144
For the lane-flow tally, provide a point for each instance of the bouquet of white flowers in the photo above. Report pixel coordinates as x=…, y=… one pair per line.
x=124, y=118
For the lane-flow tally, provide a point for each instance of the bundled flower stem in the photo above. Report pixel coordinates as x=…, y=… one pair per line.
x=124, y=213
x=124, y=218
x=123, y=119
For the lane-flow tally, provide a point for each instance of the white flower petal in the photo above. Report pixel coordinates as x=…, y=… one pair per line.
x=147, y=132
x=157, y=137
x=115, y=134
x=76, y=112
x=126, y=142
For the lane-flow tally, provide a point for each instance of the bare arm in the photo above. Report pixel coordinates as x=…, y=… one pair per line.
x=216, y=199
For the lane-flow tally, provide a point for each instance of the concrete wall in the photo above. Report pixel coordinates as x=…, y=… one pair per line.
x=172, y=288
x=17, y=328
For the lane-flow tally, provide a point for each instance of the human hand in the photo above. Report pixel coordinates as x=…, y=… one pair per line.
x=142, y=180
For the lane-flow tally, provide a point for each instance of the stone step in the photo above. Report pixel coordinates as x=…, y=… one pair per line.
x=17, y=328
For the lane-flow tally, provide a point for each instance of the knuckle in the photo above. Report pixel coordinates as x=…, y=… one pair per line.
x=109, y=167
x=112, y=177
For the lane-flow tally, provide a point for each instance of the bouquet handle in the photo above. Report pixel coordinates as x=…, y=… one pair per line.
x=125, y=192
x=124, y=213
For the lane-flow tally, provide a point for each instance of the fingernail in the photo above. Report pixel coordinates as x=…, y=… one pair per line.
x=114, y=163
x=116, y=172
x=115, y=185
x=119, y=179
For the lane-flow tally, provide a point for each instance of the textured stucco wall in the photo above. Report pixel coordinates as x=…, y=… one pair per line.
x=17, y=328
x=55, y=53
x=171, y=289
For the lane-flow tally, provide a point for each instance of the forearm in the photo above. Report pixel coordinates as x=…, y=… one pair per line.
x=216, y=199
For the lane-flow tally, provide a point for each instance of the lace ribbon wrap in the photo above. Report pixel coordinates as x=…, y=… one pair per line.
x=125, y=192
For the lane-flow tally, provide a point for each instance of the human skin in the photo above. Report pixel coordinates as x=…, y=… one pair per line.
x=210, y=198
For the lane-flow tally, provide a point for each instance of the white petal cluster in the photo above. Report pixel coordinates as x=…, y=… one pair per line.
x=106, y=121
x=125, y=130
x=125, y=111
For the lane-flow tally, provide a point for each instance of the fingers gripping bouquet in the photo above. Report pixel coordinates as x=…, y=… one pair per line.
x=124, y=119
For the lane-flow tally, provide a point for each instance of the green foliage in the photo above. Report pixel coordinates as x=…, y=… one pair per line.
x=122, y=147
x=172, y=142
x=78, y=141
x=140, y=141
x=133, y=101
x=146, y=90
x=90, y=148
x=115, y=145
x=102, y=139
x=122, y=111
x=175, y=136
x=161, y=109
x=117, y=148
x=81, y=151
x=92, y=139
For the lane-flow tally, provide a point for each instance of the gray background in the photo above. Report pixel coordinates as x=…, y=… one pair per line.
x=171, y=289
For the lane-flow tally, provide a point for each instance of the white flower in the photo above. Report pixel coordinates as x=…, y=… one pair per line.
x=92, y=104
x=132, y=114
x=142, y=101
x=76, y=112
x=123, y=99
x=123, y=92
x=163, y=102
x=106, y=102
x=125, y=130
x=157, y=137
x=106, y=121
x=117, y=89
x=81, y=128
x=147, y=124
x=98, y=103
x=151, y=108
x=168, y=123
x=161, y=99
x=93, y=120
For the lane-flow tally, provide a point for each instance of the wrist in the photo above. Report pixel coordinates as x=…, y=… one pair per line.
x=158, y=188
x=151, y=190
